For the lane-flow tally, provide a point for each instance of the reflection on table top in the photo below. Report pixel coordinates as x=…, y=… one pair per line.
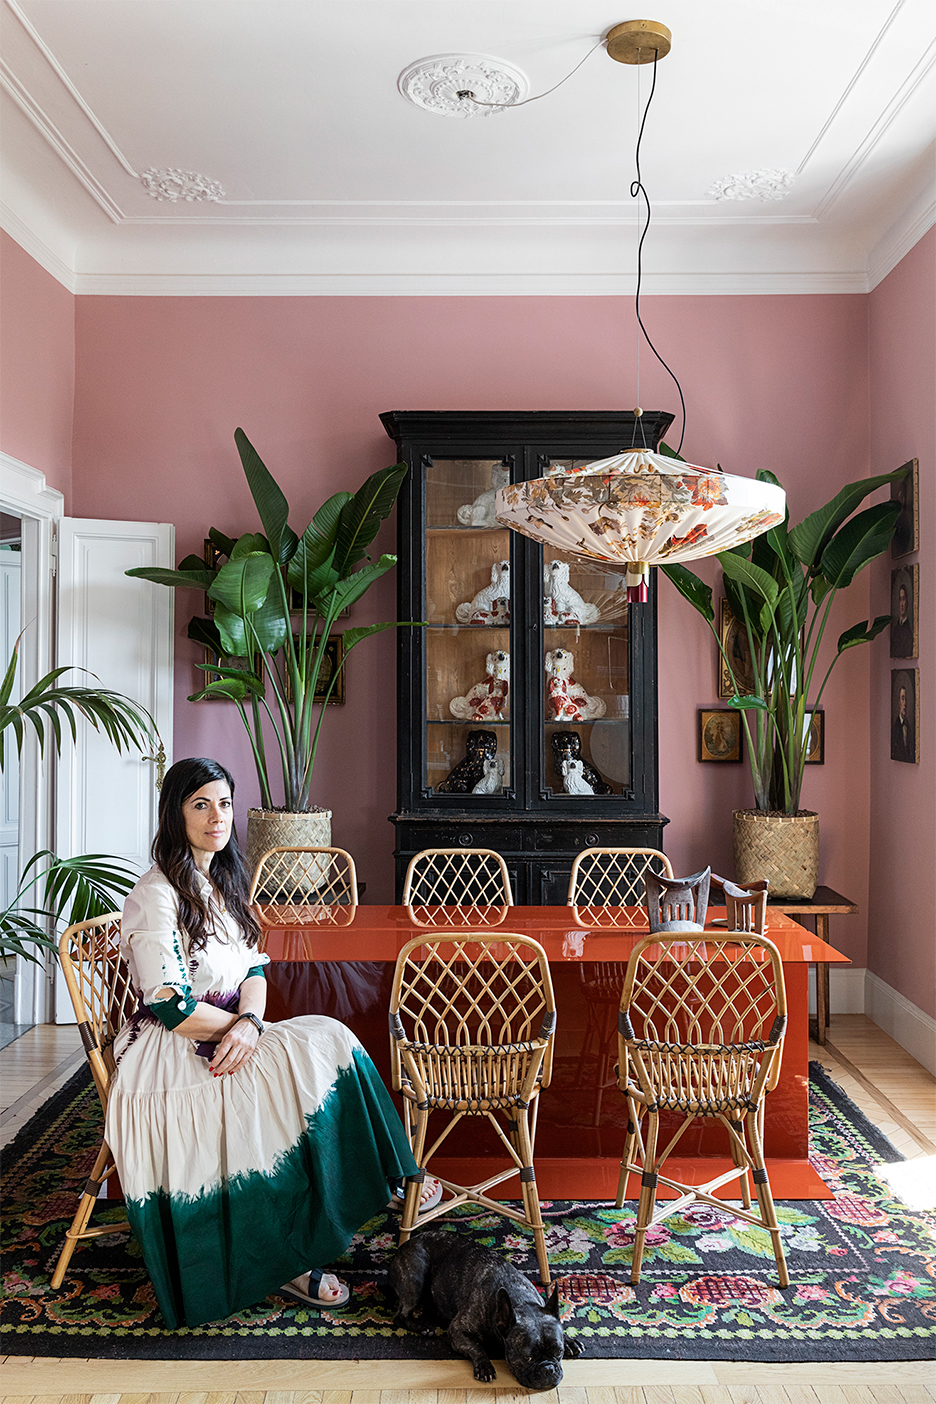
x=566, y=933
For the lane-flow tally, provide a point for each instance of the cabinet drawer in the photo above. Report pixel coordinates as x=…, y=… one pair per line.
x=503, y=838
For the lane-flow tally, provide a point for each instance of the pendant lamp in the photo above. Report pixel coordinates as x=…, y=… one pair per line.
x=640, y=509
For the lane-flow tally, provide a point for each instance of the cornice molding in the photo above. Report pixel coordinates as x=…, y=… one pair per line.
x=467, y=285
x=11, y=224
x=898, y=242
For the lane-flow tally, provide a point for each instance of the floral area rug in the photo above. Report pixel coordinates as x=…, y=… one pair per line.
x=862, y=1268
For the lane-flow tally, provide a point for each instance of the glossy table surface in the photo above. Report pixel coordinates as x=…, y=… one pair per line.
x=565, y=933
x=341, y=963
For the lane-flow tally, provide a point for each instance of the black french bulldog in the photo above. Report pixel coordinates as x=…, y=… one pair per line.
x=486, y=1304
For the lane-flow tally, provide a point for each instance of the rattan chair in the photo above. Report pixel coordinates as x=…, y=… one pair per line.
x=606, y=880
x=98, y=983
x=301, y=886
x=472, y=1017
x=700, y=1033
x=678, y=904
x=746, y=907
x=474, y=877
x=614, y=877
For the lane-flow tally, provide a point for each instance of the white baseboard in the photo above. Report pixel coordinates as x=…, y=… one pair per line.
x=896, y=1015
x=846, y=990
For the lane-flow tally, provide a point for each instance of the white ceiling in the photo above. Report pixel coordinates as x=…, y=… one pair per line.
x=333, y=183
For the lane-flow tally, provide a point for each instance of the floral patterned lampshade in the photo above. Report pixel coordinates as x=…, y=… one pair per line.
x=640, y=509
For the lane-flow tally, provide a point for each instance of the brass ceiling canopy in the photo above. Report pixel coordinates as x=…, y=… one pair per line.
x=638, y=41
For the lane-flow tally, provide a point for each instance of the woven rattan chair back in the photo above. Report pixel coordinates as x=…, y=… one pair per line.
x=677, y=904
x=614, y=877
x=472, y=1016
x=461, y=917
x=700, y=1033
x=453, y=877
x=746, y=907
x=299, y=886
x=102, y=997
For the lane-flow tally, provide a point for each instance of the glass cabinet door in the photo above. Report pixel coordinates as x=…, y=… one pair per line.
x=468, y=746
x=586, y=648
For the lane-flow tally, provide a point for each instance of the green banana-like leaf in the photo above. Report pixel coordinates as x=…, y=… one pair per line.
x=269, y=622
x=690, y=586
x=861, y=633
x=346, y=592
x=232, y=632
x=272, y=507
x=229, y=688
x=194, y=579
x=223, y=674
x=810, y=538
x=361, y=517
x=205, y=631
x=194, y=563
x=225, y=544
x=819, y=587
x=309, y=568
x=858, y=542
x=354, y=636
x=748, y=574
x=251, y=543
x=748, y=704
x=241, y=586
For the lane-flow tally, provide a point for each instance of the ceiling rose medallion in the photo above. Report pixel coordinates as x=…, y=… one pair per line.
x=767, y=184
x=447, y=83
x=174, y=185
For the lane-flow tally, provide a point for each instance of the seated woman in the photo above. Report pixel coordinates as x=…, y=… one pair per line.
x=248, y=1153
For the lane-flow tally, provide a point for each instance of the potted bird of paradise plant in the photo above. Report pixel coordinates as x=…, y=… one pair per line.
x=277, y=595
x=781, y=588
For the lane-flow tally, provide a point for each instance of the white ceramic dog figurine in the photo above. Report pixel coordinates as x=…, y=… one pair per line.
x=486, y=700
x=568, y=699
x=493, y=778
x=573, y=778
x=492, y=604
x=480, y=513
x=562, y=604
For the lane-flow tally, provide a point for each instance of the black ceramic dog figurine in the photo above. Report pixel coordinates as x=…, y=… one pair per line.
x=487, y=1305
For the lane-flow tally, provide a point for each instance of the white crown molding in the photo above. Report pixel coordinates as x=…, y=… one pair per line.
x=37, y=249
x=465, y=285
x=25, y=489
x=899, y=240
x=910, y=1026
x=342, y=219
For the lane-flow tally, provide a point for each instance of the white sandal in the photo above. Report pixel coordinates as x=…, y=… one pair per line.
x=432, y=1198
x=291, y=1289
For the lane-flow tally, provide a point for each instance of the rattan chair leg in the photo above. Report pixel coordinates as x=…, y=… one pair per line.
x=410, y=1215
x=764, y=1196
x=531, y=1204
x=738, y=1158
x=647, y=1194
x=82, y=1214
x=629, y=1143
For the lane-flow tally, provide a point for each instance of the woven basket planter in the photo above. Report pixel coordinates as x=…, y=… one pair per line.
x=274, y=828
x=781, y=847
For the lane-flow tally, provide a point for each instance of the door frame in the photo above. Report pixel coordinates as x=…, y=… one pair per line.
x=25, y=493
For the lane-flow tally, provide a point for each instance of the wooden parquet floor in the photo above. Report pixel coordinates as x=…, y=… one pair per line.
x=893, y=1090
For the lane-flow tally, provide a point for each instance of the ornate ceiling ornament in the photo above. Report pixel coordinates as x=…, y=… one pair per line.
x=174, y=185
x=768, y=184
x=446, y=84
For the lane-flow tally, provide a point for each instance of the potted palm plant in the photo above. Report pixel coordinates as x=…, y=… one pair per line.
x=780, y=588
x=89, y=884
x=277, y=596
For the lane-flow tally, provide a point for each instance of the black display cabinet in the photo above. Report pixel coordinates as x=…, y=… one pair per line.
x=564, y=757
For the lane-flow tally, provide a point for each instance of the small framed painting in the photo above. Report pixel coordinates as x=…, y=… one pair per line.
x=906, y=491
x=212, y=558
x=334, y=653
x=904, y=628
x=739, y=678
x=815, y=742
x=905, y=715
x=719, y=734
x=221, y=660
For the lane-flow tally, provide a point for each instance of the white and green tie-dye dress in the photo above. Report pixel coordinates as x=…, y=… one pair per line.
x=236, y=1184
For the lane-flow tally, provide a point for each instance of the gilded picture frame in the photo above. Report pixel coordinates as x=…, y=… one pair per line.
x=719, y=734
x=906, y=491
x=734, y=642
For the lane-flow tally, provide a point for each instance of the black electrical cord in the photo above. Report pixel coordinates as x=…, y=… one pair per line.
x=638, y=188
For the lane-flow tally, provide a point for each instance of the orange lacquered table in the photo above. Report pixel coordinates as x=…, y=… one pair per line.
x=345, y=970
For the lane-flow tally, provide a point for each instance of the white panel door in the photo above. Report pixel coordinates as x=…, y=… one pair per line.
x=10, y=574
x=120, y=629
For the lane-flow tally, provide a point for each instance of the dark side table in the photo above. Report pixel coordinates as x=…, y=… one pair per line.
x=821, y=905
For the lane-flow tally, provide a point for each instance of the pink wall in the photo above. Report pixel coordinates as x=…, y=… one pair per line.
x=775, y=382
x=901, y=948
x=37, y=365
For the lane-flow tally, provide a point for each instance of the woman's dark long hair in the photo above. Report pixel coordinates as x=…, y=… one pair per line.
x=173, y=856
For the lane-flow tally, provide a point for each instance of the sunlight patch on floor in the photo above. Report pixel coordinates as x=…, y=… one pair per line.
x=913, y=1181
